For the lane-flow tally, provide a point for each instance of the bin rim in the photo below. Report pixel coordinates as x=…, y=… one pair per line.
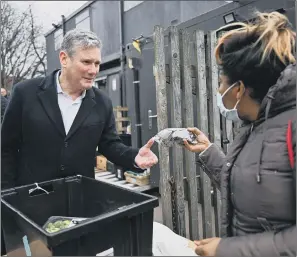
x=69, y=179
x=25, y=217
x=58, y=237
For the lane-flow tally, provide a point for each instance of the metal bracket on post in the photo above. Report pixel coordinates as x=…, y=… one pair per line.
x=150, y=118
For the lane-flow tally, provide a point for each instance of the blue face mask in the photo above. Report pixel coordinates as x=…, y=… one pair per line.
x=231, y=114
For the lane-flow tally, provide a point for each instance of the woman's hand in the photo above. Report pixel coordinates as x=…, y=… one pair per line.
x=207, y=247
x=203, y=141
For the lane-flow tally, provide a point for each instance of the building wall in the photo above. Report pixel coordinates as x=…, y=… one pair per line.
x=130, y=4
x=142, y=18
x=139, y=18
x=106, y=24
x=52, y=57
x=53, y=62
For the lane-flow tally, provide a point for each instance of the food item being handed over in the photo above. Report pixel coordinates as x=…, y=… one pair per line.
x=171, y=136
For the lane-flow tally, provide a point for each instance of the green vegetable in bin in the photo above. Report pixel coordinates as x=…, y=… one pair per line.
x=57, y=226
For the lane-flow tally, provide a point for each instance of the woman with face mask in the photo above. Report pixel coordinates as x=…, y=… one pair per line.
x=257, y=178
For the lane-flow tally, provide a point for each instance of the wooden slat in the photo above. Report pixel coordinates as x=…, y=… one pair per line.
x=214, y=85
x=120, y=108
x=189, y=122
x=103, y=173
x=122, y=119
x=121, y=182
x=162, y=122
x=212, y=40
x=177, y=123
x=110, y=178
x=119, y=119
x=202, y=96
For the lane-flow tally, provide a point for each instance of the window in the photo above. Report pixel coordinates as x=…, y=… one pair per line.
x=83, y=21
x=130, y=4
x=58, y=35
x=100, y=83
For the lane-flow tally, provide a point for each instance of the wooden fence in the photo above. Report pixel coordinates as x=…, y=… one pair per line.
x=186, y=78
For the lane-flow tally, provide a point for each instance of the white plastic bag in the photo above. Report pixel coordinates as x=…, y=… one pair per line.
x=167, y=243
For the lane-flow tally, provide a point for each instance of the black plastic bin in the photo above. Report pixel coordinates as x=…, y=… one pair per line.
x=119, y=218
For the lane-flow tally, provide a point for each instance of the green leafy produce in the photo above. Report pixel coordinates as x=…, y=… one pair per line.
x=57, y=226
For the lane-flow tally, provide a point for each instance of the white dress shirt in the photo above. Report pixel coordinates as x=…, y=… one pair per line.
x=68, y=107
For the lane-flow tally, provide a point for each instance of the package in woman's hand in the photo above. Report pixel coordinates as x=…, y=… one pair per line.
x=171, y=136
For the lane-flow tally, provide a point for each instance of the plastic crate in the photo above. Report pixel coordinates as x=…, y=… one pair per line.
x=137, y=179
x=118, y=218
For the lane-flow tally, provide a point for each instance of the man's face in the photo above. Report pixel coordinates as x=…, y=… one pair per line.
x=81, y=68
x=3, y=92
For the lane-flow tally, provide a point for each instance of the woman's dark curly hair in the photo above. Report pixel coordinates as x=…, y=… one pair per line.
x=256, y=53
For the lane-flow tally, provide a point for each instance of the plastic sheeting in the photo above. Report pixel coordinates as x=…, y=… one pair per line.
x=167, y=243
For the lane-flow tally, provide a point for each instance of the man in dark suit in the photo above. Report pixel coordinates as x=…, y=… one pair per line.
x=53, y=125
x=4, y=103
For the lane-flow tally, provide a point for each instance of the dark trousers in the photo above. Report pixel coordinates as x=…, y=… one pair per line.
x=3, y=250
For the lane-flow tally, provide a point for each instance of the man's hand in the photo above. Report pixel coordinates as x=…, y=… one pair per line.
x=145, y=157
x=207, y=247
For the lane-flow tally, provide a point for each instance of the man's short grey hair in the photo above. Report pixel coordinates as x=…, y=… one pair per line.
x=79, y=38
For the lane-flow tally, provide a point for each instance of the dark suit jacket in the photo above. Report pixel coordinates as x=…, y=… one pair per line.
x=4, y=103
x=34, y=144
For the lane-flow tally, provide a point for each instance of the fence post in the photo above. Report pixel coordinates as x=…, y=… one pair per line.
x=190, y=166
x=215, y=121
x=202, y=99
x=162, y=121
x=177, y=123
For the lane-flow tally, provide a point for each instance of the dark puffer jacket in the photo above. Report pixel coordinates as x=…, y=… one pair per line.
x=257, y=183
